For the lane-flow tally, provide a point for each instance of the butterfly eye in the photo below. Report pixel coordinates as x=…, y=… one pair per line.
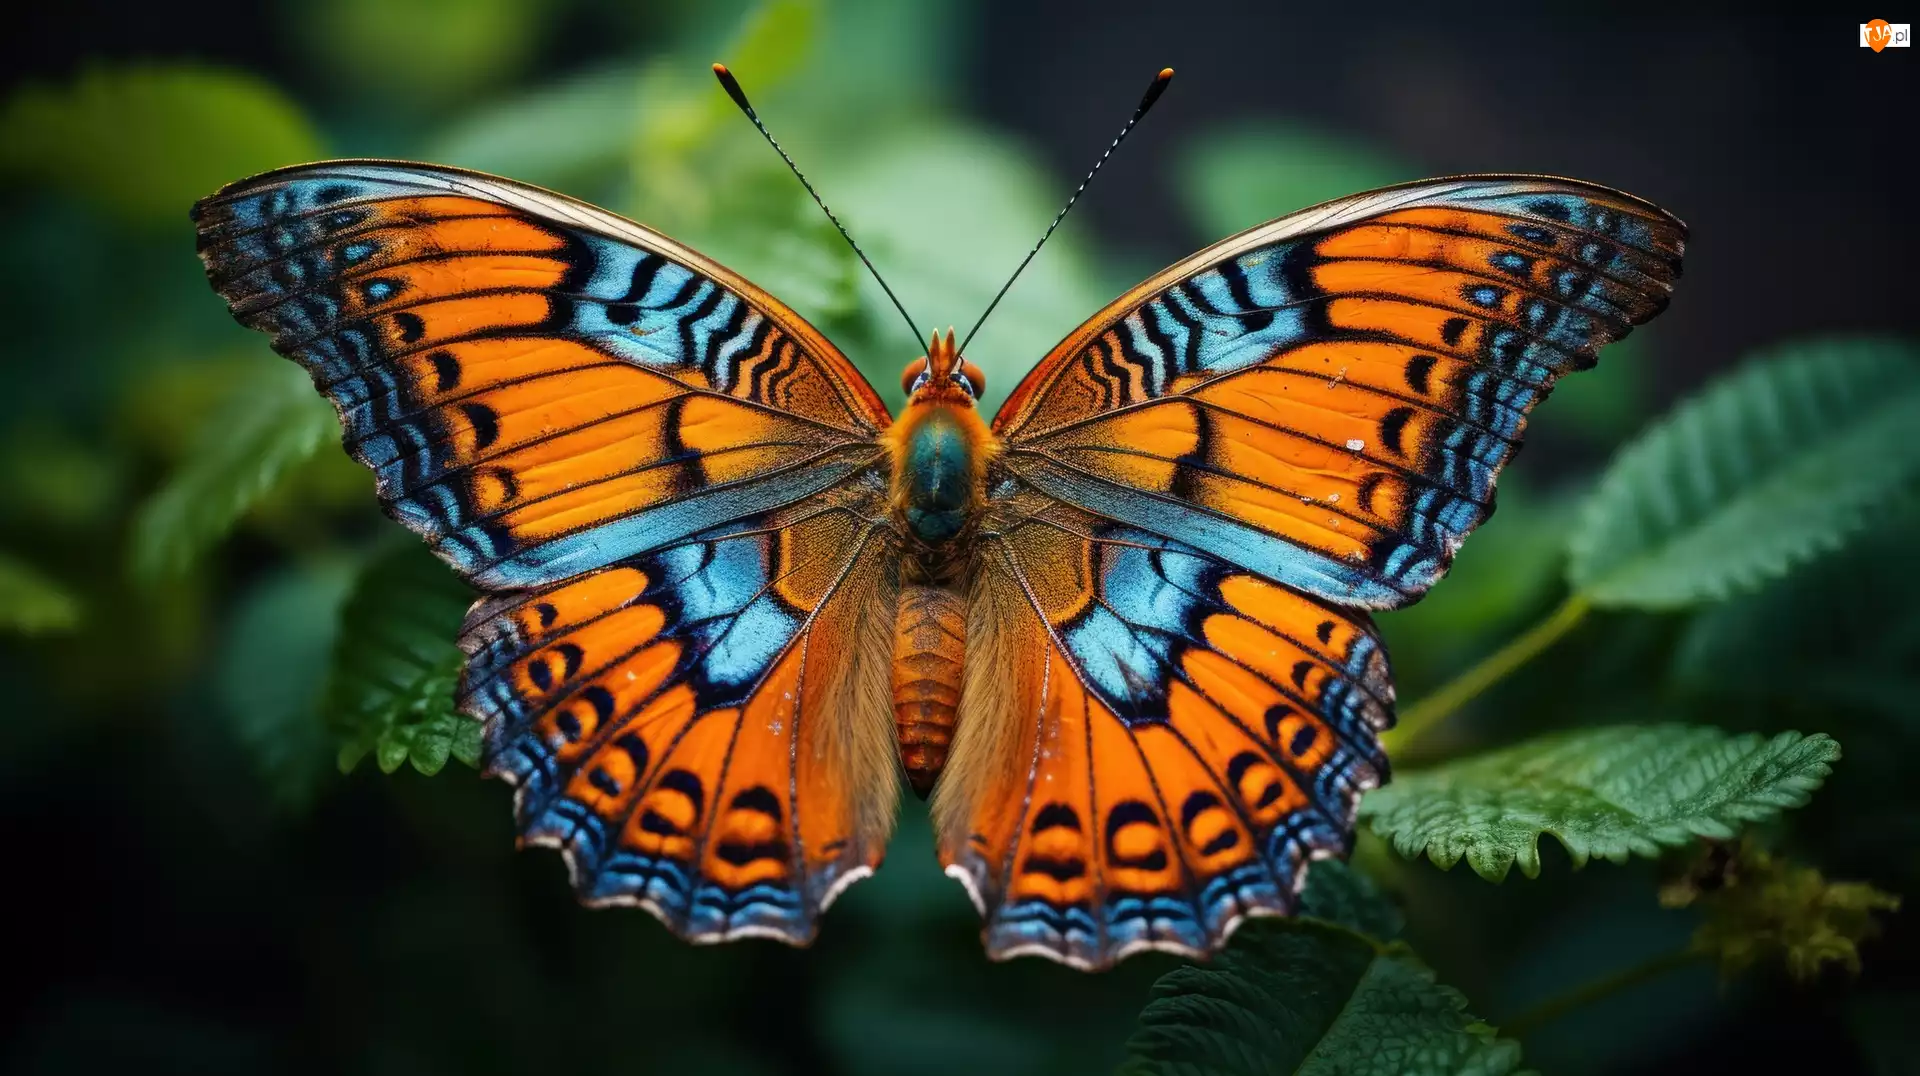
x=911, y=376
x=976, y=378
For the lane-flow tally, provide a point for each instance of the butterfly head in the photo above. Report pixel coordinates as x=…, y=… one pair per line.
x=942, y=375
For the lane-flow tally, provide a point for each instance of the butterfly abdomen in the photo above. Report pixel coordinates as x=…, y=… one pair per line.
x=928, y=647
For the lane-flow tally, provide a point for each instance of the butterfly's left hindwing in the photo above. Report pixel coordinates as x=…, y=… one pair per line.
x=669, y=487
x=704, y=730
x=1196, y=497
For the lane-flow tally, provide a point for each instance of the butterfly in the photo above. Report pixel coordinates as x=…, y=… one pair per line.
x=1120, y=633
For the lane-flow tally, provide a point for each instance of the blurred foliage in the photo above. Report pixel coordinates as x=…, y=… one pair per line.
x=1609, y=792
x=30, y=603
x=209, y=621
x=269, y=423
x=1762, y=907
x=190, y=129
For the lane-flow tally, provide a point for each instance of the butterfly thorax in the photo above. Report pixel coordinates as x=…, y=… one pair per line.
x=939, y=449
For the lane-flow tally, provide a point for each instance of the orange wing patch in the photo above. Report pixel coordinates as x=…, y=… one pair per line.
x=1189, y=739
x=703, y=731
x=540, y=387
x=1327, y=400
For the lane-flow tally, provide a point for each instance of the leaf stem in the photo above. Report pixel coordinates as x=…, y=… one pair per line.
x=1421, y=717
x=1554, y=1008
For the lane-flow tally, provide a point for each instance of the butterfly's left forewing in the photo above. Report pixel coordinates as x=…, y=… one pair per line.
x=1198, y=494
x=668, y=486
x=538, y=385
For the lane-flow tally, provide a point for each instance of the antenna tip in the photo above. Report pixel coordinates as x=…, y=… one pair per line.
x=732, y=86
x=1154, y=89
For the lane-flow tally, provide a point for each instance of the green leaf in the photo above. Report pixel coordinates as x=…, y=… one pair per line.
x=947, y=264
x=1308, y=998
x=557, y=136
x=1785, y=459
x=272, y=422
x=401, y=57
x=1607, y=792
x=1339, y=893
x=1845, y=632
x=395, y=666
x=269, y=672
x=145, y=142
x=31, y=603
x=1236, y=176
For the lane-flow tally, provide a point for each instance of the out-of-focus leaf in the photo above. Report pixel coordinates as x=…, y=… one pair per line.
x=272, y=422
x=270, y=672
x=773, y=41
x=782, y=243
x=56, y=479
x=1844, y=630
x=146, y=142
x=1607, y=792
x=1338, y=893
x=947, y=213
x=1305, y=997
x=554, y=136
x=31, y=603
x=1781, y=461
x=692, y=149
x=402, y=55
x=1236, y=176
x=395, y=666
x=1762, y=907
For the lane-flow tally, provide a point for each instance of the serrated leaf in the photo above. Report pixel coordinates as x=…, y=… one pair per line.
x=144, y=142
x=1308, y=998
x=1842, y=632
x=31, y=603
x=396, y=665
x=1609, y=793
x=272, y=423
x=1769, y=467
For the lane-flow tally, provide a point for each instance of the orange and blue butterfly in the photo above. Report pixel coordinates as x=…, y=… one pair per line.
x=1120, y=633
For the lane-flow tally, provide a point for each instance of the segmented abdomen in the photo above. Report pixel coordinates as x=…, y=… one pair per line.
x=929, y=644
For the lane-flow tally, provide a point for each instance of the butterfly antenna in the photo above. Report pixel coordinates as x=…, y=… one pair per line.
x=732, y=86
x=1153, y=93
